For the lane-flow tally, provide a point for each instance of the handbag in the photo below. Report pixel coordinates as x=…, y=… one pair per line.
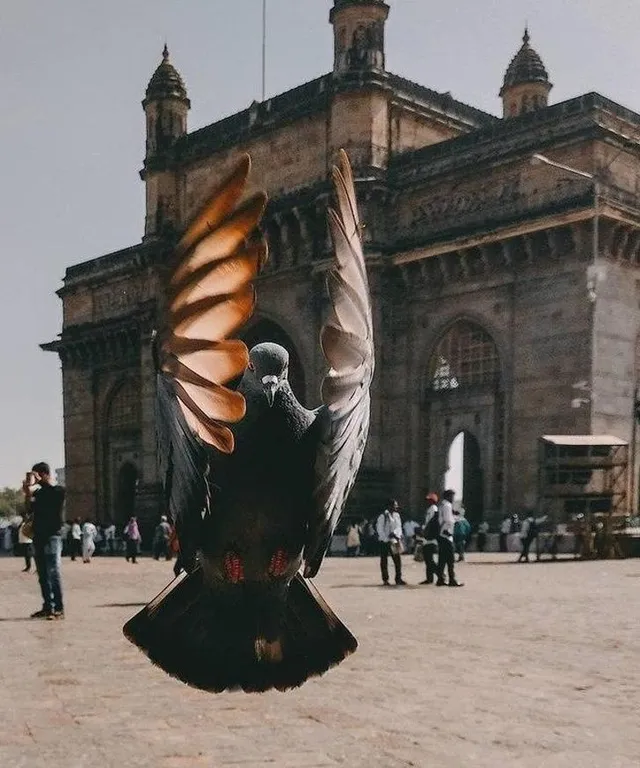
x=26, y=528
x=396, y=547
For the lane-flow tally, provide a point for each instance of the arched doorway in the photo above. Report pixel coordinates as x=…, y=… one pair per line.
x=464, y=474
x=465, y=418
x=266, y=330
x=127, y=484
x=122, y=452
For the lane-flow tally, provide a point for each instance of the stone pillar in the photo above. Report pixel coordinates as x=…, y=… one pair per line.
x=79, y=441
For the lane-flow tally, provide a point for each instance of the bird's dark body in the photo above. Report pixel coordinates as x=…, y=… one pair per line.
x=261, y=500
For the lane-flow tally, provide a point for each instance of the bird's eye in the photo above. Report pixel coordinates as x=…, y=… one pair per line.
x=251, y=366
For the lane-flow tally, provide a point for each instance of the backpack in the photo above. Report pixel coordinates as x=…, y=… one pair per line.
x=432, y=528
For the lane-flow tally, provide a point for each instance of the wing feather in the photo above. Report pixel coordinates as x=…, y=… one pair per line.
x=218, y=206
x=347, y=344
x=210, y=294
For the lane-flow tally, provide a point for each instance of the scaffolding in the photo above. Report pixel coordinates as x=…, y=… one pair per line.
x=583, y=484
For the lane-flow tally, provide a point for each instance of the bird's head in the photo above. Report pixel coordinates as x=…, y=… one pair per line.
x=269, y=367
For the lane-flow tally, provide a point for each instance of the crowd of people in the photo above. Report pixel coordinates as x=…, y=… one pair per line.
x=82, y=539
x=41, y=537
x=444, y=533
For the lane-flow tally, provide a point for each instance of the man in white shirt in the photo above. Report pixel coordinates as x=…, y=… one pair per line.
x=431, y=531
x=389, y=530
x=446, y=556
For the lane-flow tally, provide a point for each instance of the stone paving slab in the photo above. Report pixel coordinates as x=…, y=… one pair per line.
x=530, y=666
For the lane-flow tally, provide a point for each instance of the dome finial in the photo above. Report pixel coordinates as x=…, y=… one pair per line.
x=526, y=37
x=166, y=82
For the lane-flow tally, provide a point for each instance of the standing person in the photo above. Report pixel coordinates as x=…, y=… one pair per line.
x=132, y=535
x=461, y=533
x=161, y=539
x=483, y=530
x=505, y=530
x=45, y=503
x=353, y=540
x=389, y=530
x=446, y=557
x=409, y=528
x=89, y=535
x=110, y=539
x=431, y=531
x=76, y=538
x=528, y=532
x=369, y=538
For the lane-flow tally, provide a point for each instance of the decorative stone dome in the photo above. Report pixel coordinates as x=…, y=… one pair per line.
x=525, y=67
x=166, y=82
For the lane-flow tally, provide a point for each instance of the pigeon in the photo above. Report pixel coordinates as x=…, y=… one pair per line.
x=254, y=481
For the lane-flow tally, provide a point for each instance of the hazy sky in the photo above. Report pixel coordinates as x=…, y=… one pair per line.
x=73, y=73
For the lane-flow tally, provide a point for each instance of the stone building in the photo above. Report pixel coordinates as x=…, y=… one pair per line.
x=498, y=283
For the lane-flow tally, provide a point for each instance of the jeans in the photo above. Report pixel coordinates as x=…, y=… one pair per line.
x=47, y=554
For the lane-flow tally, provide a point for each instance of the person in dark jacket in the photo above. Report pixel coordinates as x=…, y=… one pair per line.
x=45, y=502
x=430, y=533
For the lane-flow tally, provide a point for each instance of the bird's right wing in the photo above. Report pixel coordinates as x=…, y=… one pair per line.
x=209, y=296
x=347, y=343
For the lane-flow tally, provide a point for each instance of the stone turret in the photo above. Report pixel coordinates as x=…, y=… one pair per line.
x=526, y=83
x=358, y=34
x=166, y=105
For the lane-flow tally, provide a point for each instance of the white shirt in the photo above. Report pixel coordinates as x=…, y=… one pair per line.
x=388, y=526
x=89, y=531
x=505, y=525
x=446, y=519
x=76, y=531
x=524, y=530
x=110, y=532
x=483, y=527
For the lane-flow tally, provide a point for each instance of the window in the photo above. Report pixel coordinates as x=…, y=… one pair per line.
x=466, y=356
x=124, y=409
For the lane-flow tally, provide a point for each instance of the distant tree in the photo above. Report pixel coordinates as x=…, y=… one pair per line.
x=11, y=502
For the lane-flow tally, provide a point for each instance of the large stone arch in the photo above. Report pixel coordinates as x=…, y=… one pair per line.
x=122, y=448
x=463, y=390
x=265, y=329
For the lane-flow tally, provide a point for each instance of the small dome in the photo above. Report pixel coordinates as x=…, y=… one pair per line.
x=166, y=82
x=525, y=67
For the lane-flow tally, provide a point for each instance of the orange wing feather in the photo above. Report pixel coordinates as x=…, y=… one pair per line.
x=210, y=296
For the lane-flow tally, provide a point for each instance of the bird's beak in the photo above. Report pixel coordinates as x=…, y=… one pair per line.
x=270, y=384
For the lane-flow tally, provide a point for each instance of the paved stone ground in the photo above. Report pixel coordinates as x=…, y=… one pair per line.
x=535, y=666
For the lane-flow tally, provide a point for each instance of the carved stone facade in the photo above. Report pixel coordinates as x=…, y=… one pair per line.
x=492, y=297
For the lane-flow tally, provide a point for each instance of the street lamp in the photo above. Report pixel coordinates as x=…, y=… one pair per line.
x=593, y=272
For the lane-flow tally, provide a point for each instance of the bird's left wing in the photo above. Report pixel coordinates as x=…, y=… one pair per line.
x=209, y=296
x=347, y=343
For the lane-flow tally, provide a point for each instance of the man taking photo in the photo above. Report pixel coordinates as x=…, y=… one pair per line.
x=44, y=503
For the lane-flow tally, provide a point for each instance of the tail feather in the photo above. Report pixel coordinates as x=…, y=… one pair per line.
x=241, y=638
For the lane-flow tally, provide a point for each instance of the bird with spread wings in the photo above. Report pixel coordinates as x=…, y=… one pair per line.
x=254, y=481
